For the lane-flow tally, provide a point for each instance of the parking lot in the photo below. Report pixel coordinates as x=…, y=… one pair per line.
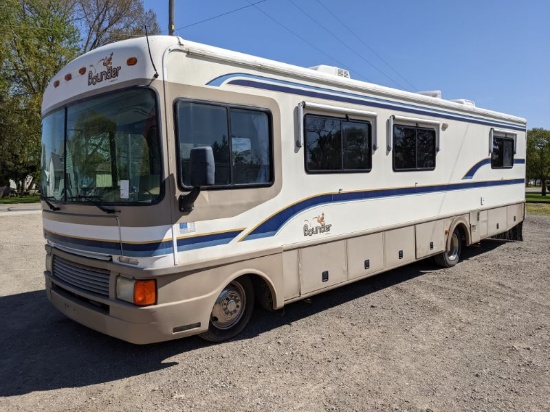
x=469, y=338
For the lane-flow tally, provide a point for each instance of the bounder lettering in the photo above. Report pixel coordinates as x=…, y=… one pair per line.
x=108, y=74
x=310, y=231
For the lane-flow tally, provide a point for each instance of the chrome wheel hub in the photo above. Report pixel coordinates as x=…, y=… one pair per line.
x=229, y=307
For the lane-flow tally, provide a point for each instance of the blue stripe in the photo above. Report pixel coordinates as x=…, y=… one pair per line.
x=470, y=173
x=112, y=248
x=143, y=249
x=258, y=82
x=272, y=225
x=215, y=239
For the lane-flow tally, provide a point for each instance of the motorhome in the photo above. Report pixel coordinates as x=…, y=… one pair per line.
x=182, y=184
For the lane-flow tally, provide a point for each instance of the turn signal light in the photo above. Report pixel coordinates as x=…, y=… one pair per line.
x=145, y=292
x=131, y=61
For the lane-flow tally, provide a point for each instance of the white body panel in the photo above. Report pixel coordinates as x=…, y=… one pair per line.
x=349, y=225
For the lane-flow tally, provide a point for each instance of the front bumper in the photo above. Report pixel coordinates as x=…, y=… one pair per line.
x=138, y=325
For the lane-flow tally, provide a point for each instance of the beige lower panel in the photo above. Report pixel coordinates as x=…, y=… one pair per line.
x=497, y=221
x=291, y=274
x=430, y=238
x=322, y=266
x=365, y=255
x=399, y=246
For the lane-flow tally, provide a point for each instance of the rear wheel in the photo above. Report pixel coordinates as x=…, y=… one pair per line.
x=451, y=256
x=232, y=310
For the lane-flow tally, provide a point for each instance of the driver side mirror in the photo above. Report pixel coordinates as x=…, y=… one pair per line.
x=203, y=173
x=203, y=167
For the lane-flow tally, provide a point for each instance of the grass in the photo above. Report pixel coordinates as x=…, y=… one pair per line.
x=542, y=209
x=537, y=204
x=537, y=198
x=20, y=199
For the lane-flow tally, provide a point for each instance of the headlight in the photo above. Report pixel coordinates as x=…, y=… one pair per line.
x=138, y=292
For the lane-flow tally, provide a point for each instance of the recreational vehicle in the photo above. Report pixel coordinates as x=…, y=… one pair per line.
x=183, y=184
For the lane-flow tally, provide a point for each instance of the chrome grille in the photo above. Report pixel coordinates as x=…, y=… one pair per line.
x=85, y=278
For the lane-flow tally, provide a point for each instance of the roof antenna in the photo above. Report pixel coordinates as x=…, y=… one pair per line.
x=150, y=56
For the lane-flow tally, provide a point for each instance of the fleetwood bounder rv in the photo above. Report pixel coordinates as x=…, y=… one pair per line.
x=184, y=183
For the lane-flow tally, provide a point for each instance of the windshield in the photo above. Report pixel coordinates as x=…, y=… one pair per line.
x=103, y=150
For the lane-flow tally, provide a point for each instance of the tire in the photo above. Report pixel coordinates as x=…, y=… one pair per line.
x=232, y=311
x=451, y=256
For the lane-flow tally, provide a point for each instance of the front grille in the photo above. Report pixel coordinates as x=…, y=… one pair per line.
x=85, y=278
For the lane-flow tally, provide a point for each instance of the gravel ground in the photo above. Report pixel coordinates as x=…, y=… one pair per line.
x=474, y=337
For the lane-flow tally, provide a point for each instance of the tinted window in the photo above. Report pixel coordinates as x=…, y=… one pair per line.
x=240, y=139
x=413, y=148
x=334, y=144
x=502, y=155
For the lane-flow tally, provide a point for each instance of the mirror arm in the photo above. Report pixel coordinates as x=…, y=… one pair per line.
x=187, y=202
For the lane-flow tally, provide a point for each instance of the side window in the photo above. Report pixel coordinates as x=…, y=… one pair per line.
x=240, y=140
x=337, y=145
x=502, y=154
x=414, y=148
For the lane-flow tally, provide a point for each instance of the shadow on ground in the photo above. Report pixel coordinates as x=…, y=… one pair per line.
x=43, y=350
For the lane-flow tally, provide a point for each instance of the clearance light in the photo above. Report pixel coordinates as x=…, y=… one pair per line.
x=56, y=83
x=68, y=76
x=138, y=292
x=82, y=71
x=131, y=61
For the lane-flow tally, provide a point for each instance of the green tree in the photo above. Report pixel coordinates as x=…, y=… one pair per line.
x=106, y=21
x=38, y=40
x=538, y=156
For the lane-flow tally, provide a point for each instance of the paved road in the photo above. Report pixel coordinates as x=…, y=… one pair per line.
x=533, y=189
x=20, y=209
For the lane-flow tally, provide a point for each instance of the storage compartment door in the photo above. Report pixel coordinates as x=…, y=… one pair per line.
x=365, y=255
x=322, y=266
x=430, y=238
x=399, y=246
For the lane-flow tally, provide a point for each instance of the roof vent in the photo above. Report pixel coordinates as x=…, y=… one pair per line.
x=431, y=93
x=335, y=71
x=465, y=102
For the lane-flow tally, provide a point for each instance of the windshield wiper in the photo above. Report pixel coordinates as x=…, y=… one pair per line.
x=94, y=200
x=46, y=200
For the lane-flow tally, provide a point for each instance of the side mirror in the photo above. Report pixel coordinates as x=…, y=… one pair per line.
x=203, y=168
x=203, y=173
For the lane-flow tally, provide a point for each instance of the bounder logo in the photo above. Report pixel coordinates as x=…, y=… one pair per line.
x=108, y=72
x=316, y=225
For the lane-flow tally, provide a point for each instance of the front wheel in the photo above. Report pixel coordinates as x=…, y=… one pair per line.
x=451, y=256
x=232, y=310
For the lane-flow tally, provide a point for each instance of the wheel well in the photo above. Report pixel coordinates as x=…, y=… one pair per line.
x=265, y=296
x=464, y=234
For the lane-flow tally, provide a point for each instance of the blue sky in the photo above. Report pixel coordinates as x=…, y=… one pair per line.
x=494, y=52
